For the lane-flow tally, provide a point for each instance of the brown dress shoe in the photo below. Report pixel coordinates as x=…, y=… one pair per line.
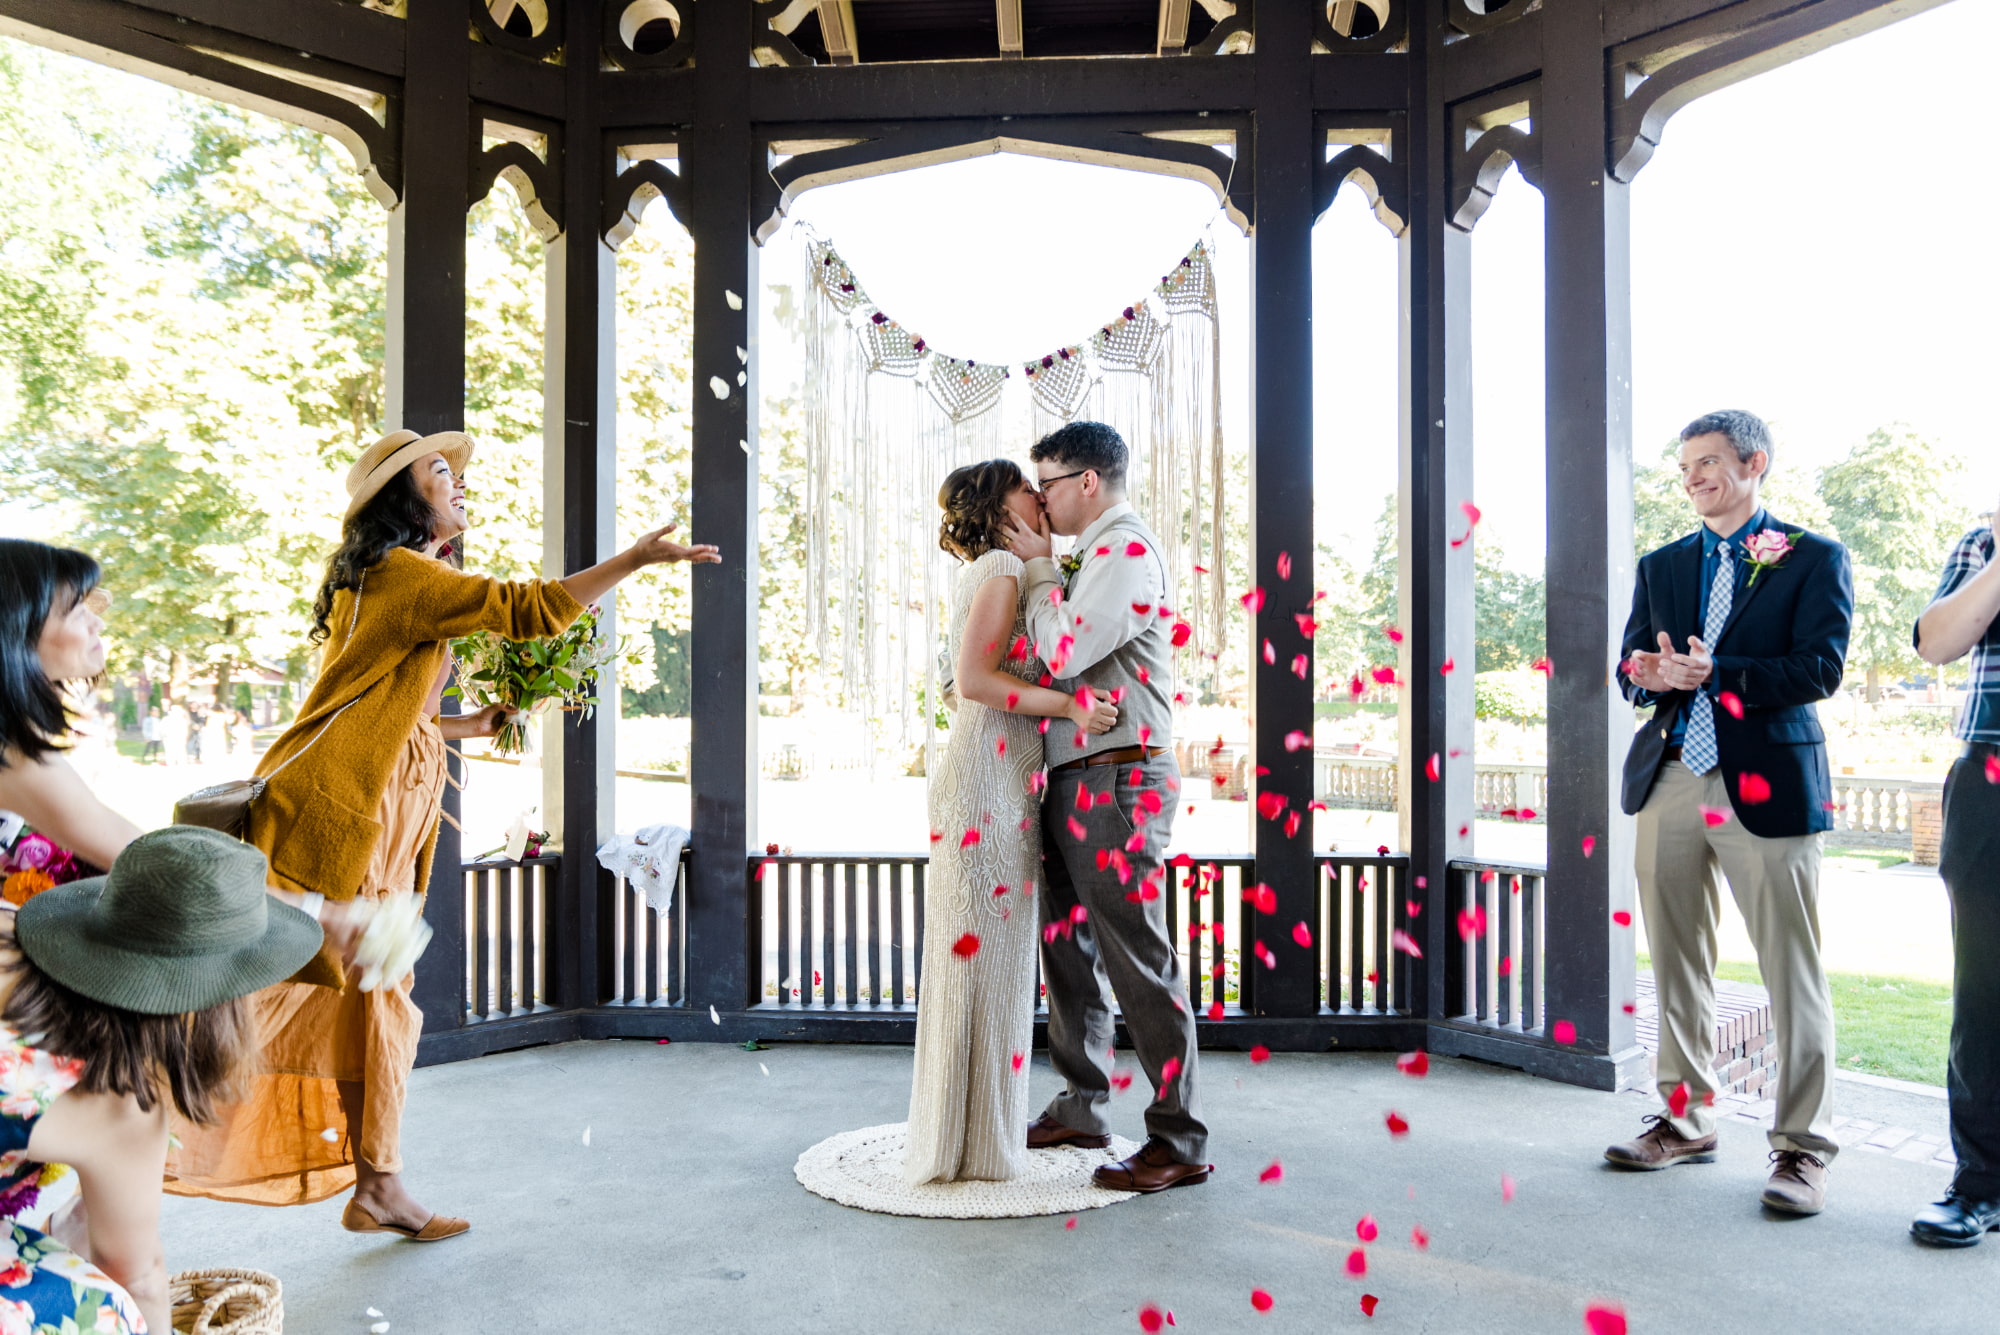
x=1661, y=1147
x=1798, y=1182
x=1045, y=1133
x=1153, y=1168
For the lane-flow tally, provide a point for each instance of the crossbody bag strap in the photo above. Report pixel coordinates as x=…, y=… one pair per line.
x=352, y=622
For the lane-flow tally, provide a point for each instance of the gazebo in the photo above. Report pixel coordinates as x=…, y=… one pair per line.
x=723, y=109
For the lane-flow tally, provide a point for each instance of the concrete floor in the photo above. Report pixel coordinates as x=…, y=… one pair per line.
x=682, y=1213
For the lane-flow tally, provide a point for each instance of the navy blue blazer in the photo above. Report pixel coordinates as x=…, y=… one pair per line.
x=1783, y=648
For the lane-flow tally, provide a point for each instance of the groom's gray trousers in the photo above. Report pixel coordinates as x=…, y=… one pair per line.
x=1121, y=941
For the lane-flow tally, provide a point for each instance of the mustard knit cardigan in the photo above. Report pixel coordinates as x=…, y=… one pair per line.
x=315, y=819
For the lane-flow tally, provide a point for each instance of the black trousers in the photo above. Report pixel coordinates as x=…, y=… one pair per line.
x=1970, y=865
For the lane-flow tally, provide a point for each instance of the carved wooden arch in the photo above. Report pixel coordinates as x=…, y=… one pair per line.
x=537, y=181
x=1383, y=178
x=901, y=148
x=628, y=195
x=536, y=47
x=1655, y=76
x=620, y=51
x=1392, y=22
x=336, y=100
x=1485, y=140
x=1461, y=15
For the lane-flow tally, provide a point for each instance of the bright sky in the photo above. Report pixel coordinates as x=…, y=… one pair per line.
x=1800, y=248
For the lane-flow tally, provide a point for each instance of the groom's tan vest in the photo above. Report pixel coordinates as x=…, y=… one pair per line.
x=1145, y=704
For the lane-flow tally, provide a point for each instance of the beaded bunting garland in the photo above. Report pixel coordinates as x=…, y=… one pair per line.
x=888, y=417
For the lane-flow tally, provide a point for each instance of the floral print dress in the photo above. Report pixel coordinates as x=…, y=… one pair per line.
x=45, y=1288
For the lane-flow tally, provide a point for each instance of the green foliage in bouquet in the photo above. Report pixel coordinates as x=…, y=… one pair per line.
x=527, y=675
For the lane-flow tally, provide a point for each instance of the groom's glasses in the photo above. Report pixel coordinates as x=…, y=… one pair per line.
x=1044, y=483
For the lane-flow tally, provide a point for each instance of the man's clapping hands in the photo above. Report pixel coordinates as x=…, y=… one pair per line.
x=1668, y=671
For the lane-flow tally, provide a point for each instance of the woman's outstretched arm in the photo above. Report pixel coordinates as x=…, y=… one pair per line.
x=655, y=548
x=50, y=795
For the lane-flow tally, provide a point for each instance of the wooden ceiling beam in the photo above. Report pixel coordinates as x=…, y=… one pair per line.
x=836, y=29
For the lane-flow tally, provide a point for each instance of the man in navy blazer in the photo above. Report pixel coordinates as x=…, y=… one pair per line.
x=1737, y=630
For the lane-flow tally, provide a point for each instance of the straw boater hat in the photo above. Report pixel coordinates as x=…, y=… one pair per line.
x=182, y=923
x=395, y=452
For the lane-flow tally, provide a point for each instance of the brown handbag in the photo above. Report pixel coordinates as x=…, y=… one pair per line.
x=226, y=806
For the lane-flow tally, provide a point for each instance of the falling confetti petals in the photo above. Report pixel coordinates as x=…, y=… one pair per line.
x=1993, y=769
x=1397, y=1126
x=1151, y=1318
x=1297, y=741
x=1017, y=1063
x=966, y=946
x=329, y=1135
x=1303, y=935
x=1357, y=1263
x=1368, y=1303
x=1284, y=565
x=718, y=387
x=1562, y=1031
x=1732, y=704
x=1414, y=1064
x=1506, y=1187
x=1365, y=1228
x=1589, y=844
x=1677, y=1102
x=1753, y=788
x=1254, y=600
x=1418, y=1238
x=713, y=1017
x=1169, y=1069
x=1275, y=1173
x=1260, y=1300
x=1406, y=943
x=1622, y=917
x=1070, y=1223
x=1259, y=1054
x=1446, y=668
x=1713, y=816
x=1431, y=770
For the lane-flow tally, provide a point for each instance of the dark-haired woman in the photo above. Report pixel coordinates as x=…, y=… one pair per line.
x=120, y=997
x=350, y=809
x=968, y=1096
x=49, y=640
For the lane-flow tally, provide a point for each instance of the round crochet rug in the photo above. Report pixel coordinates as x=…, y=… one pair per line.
x=864, y=1169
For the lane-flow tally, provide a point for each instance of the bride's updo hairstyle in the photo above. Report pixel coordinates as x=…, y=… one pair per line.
x=974, y=501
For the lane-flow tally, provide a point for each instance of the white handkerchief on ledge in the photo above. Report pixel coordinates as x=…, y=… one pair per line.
x=650, y=859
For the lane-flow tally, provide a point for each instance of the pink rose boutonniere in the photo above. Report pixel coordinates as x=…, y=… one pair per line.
x=1766, y=549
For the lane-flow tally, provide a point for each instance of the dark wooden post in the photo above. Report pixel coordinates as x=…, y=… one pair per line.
x=426, y=376
x=1281, y=470
x=1434, y=601
x=719, y=156
x=579, y=481
x=1586, y=259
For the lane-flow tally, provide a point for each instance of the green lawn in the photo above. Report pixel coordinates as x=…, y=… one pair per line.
x=1897, y=1027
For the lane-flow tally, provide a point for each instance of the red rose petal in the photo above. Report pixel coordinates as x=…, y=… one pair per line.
x=1275, y=1173
x=1589, y=844
x=1732, y=704
x=1135, y=549
x=1070, y=1222
x=1292, y=823
x=1677, y=1102
x=1017, y=1061
x=1418, y=1238
x=1368, y=1302
x=968, y=839
x=1151, y=1318
x=1260, y=1300
x=1169, y=1069
x=1259, y=1054
x=966, y=946
x=1303, y=935
x=1395, y=635
x=1215, y=1010
x=1506, y=1187
x=1562, y=1031
x=1357, y=1263
x=1365, y=1228
x=1403, y=941
x=1431, y=770
x=1470, y=511
x=1622, y=917
x=1472, y=922
x=1604, y=1319
x=1414, y=1064
x=1543, y=666
x=1713, y=816
x=1397, y=1126
x=1446, y=668
x=1753, y=788
x=1254, y=600
x=1182, y=633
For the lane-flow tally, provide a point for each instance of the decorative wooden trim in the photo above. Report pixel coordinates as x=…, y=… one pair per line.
x=1485, y=140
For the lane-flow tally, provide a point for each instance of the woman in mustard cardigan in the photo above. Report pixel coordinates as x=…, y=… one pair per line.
x=357, y=816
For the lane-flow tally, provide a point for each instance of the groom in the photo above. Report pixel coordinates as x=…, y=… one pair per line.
x=1108, y=813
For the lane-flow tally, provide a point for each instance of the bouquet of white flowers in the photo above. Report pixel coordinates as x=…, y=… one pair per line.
x=527, y=675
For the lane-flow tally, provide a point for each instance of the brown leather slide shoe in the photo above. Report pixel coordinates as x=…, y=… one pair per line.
x=1153, y=1168
x=356, y=1219
x=1046, y=1133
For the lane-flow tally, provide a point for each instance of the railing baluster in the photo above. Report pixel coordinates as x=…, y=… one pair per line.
x=852, y=954
x=1383, y=964
x=808, y=931
x=875, y=997
x=531, y=938
x=1531, y=952
x=898, y=896
x=1503, y=1011
x=503, y=923
x=784, y=968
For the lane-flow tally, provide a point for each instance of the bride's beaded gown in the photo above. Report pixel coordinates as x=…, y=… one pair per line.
x=975, y=1013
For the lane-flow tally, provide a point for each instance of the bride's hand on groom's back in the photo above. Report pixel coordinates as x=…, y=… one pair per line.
x=656, y=548
x=1028, y=543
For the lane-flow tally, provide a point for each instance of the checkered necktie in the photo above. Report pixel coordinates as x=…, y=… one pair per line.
x=1698, y=751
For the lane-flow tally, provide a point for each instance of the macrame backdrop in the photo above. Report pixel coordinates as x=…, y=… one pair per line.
x=888, y=417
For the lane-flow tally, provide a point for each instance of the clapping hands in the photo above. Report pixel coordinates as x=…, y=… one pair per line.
x=1668, y=671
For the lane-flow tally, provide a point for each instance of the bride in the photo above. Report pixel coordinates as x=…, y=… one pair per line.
x=975, y=1017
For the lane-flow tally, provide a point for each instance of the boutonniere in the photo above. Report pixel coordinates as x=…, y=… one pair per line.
x=1766, y=549
x=1069, y=565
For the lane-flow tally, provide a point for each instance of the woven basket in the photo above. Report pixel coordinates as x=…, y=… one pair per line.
x=227, y=1302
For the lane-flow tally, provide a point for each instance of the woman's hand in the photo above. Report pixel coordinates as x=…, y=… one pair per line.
x=485, y=723
x=1025, y=542
x=1092, y=712
x=343, y=922
x=656, y=548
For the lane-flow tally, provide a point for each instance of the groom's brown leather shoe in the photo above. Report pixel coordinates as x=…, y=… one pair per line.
x=1045, y=1133
x=1153, y=1168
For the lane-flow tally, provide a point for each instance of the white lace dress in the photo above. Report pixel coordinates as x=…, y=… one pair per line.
x=975, y=1014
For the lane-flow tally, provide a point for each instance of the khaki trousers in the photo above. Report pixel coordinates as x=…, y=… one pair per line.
x=1776, y=885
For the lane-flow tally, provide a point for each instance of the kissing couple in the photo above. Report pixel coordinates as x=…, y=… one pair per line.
x=1051, y=810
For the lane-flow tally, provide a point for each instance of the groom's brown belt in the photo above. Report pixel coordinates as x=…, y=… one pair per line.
x=1122, y=755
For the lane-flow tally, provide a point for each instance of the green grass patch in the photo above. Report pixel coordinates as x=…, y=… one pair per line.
x=1348, y=709
x=1863, y=859
x=1883, y=1025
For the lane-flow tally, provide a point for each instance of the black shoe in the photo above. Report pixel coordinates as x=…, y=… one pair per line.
x=1956, y=1221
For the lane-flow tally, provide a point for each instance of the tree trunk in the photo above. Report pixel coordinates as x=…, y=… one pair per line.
x=224, y=668
x=177, y=675
x=1874, y=685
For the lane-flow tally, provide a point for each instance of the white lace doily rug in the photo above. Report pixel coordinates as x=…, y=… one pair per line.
x=864, y=1169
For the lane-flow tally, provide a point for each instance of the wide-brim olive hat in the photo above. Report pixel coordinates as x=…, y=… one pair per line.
x=181, y=923
x=395, y=452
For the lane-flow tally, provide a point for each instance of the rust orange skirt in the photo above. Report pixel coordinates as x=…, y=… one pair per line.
x=274, y=1147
